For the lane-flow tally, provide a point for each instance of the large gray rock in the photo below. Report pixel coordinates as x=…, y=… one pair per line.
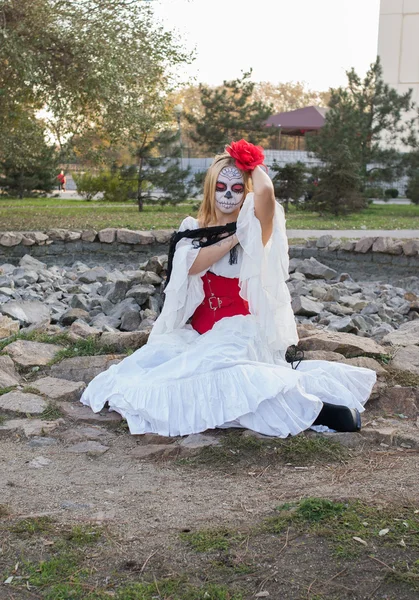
x=29, y=427
x=31, y=354
x=406, y=335
x=304, y=306
x=8, y=326
x=10, y=238
x=73, y=314
x=84, y=414
x=19, y=402
x=127, y=236
x=324, y=240
x=341, y=324
x=107, y=235
x=131, y=320
x=347, y=344
x=59, y=389
x=156, y=264
x=84, y=368
x=313, y=269
x=90, y=448
x=8, y=374
x=81, y=330
x=141, y=292
x=29, y=262
x=26, y=312
x=92, y=275
x=118, y=290
x=406, y=359
x=411, y=248
x=124, y=341
x=364, y=244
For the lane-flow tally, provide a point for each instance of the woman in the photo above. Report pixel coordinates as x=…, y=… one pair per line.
x=227, y=272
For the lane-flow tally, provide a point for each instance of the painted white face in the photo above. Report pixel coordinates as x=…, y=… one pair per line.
x=229, y=190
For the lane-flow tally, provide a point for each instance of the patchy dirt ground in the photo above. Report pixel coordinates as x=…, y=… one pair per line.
x=142, y=508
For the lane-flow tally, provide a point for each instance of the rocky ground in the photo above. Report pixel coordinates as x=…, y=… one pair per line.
x=89, y=511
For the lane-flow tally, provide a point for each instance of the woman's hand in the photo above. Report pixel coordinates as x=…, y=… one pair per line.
x=211, y=254
x=264, y=201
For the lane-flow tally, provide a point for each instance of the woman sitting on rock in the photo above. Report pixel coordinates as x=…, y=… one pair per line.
x=216, y=354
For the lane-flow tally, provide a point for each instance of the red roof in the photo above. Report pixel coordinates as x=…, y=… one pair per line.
x=309, y=118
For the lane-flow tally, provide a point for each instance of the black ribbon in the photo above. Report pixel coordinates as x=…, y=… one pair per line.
x=201, y=238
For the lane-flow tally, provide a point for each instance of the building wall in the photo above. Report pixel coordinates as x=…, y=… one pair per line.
x=398, y=44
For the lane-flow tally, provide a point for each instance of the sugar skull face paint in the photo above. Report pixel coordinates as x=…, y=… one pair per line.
x=229, y=190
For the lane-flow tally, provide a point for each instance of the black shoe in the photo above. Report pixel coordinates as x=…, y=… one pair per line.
x=339, y=418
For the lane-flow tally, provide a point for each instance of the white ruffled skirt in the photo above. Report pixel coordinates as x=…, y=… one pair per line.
x=182, y=382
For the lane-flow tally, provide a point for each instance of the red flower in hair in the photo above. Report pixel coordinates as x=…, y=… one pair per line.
x=247, y=156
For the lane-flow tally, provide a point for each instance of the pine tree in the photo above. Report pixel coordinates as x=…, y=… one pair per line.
x=229, y=113
x=289, y=181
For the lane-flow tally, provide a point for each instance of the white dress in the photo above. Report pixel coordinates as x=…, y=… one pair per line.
x=182, y=382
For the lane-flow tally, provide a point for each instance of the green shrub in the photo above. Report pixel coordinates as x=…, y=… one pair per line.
x=88, y=185
x=374, y=192
x=412, y=191
x=391, y=193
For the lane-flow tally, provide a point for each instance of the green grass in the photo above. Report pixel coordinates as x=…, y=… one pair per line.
x=208, y=540
x=32, y=526
x=46, y=213
x=50, y=413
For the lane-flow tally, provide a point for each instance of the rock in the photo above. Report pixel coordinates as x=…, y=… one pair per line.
x=381, y=435
x=141, y=292
x=406, y=359
x=304, y=306
x=39, y=462
x=31, y=354
x=73, y=314
x=411, y=248
x=29, y=262
x=406, y=335
x=88, y=235
x=92, y=275
x=59, y=389
x=364, y=244
x=162, y=235
x=323, y=241
x=19, y=402
x=153, y=451
x=79, y=329
x=196, y=441
x=400, y=400
x=346, y=438
x=42, y=442
x=313, y=269
x=84, y=368
x=154, y=438
x=131, y=320
x=107, y=235
x=84, y=414
x=124, y=341
x=8, y=375
x=347, y=344
x=104, y=322
x=383, y=244
x=366, y=363
x=152, y=278
x=80, y=301
x=26, y=312
x=127, y=236
x=10, y=238
x=37, y=237
x=90, y=448
x=155, y=264
x=294, y=263
x=57, y=234
x=341, y=324
x=8, y=327
x=81, y=434
x=29, y=427
x=323, y=355
x=118, y=291
x=348, y=246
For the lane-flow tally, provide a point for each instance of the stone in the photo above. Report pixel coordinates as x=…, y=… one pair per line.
x=37, y=237
x=57, y=234
x=124, y=341
x=196, y=441
x=73, y=314
x=29, y=262
x=162, y=236
x=8, y=374
x=406, y=359
x=348, y=344
x=88, y=235
x=411, y=247
x=152, y=278
x=154, y=438
x=324, y=240
x=304, y=306
x=10, y=238
x=131, y=320
x=80, y=329
x=80, y=301
x=155, y=264
x=313, y=269
x=84, y=368
x=107, y=235
x=39, y=462
x=59, y=389
x=91, y=448
x=42, y=442
x=346, y=438
x=406, y=335
x=118, y=291
x=31, y=354
x=293, y=264
x=141, y=292
x=379, y=435
x=8, y=326
x=92, y=275
x=19, y=402
x=366, y=362
x=84, y=414
x=400, y=400
x=348, y=246
x=82, y=434
x=323, y=355
x=152, y=451
x=127, y=236
x=383, y=244
x=341, y=324
x=335, y=245
x=364, y=244
x=26, y=312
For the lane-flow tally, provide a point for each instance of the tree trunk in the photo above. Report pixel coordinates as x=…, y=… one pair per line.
x=140, y=198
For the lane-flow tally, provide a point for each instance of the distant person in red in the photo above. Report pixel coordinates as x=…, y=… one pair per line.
x=62, y=180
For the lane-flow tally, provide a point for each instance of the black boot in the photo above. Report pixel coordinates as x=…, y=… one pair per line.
x=339, y=418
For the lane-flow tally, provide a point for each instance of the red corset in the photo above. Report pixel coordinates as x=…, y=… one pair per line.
x=222, y=299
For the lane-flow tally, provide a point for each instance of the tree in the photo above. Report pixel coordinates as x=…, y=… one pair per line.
x=229, y=113
x=289, y=181
x=27, y=162
x=369, y=117
x=339, y=185
x=288, y=96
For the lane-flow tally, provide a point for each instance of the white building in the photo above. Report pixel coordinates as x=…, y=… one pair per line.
x=398, y=44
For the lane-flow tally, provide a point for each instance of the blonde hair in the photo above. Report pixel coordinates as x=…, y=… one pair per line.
x=206, y=213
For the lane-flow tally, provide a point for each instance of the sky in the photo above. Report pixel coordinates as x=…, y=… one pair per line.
x=314, y=41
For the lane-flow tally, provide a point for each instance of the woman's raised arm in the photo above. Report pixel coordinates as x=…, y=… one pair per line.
x=264, y=201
